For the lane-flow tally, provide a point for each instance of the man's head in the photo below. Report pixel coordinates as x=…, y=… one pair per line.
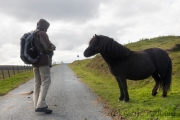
x=42, y=25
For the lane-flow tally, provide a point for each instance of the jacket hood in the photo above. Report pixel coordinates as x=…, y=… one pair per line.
x=42, y=25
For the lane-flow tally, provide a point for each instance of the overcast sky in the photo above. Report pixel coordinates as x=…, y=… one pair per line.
x=74, y=22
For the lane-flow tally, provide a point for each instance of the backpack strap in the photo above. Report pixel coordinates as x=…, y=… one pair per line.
x=35, y=31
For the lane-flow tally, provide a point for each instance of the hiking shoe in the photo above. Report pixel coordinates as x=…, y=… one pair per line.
x=44, y=109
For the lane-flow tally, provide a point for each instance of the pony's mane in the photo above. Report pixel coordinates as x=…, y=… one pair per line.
x=110, y=47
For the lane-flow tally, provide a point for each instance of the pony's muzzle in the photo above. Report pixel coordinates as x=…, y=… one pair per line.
x=90, y=52
x=86, y=53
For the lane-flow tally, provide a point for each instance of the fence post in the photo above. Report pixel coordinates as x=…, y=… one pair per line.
x=26, y=68
x=13, y=70
x=30, y=67
x=8, y=72
x=17, y=69
x=3, y=74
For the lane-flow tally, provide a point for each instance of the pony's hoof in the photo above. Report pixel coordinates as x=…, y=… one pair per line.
x=154, y=94
x=163, y=96
x=125, y=101
x=120, y=99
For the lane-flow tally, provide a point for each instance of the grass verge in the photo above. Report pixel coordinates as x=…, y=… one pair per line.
x=142, y=105
x=9, y=84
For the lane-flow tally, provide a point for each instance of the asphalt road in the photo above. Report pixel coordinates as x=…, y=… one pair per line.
x=68, y=97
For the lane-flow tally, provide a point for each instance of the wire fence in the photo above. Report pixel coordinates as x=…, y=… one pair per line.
x=10, y=70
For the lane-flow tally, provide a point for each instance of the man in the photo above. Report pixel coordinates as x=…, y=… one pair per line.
x=41, y=69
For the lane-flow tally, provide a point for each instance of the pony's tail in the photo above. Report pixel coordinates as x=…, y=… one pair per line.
x=166, y=83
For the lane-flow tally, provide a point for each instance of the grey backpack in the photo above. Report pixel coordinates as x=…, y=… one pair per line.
x=28, y=52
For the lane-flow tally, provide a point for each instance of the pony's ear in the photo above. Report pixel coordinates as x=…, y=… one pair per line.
x=94, y=42
x=96, y=37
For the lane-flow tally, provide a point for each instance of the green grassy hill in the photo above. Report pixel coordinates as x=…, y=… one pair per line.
x=142, y=106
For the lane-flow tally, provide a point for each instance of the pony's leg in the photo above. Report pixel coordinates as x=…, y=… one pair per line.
x=157, y=80
x=121, y=90
x=164, y=94
x=124, y=88
x=163, y=76
x=166, y=79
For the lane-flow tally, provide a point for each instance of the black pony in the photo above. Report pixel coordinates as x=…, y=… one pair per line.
x=134, y=65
